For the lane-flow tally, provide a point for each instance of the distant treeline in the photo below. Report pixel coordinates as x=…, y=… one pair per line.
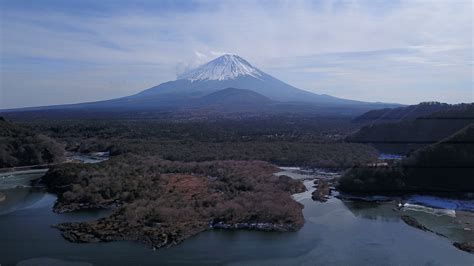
x=20, y=146
x=446, y=166
x=403, y=130
x=299, y=140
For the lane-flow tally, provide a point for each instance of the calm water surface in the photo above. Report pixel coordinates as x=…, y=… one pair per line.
x=336, y=232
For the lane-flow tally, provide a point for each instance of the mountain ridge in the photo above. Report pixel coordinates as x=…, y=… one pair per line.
x=227, y=71
x=234, y=96
x=390, y=115
x=410, y=133
x=236, y=72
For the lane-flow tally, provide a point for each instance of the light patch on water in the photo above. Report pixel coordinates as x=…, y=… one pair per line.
x=295, y=174
x=307, y=194
x=307, y=176
x=289, y=168
x=90, y=158
x=19, y=178
x=443, y=203
x=429, y=210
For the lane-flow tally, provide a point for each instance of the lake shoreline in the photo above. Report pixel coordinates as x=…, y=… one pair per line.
x=201, y=247
x=191, y=190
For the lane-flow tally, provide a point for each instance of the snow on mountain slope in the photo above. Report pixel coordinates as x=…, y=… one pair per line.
x=223, y=68
x=232, y=71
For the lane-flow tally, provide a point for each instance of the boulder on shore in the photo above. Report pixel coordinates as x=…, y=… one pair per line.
x=322, y=191
x=414, y=223
x=465, y=246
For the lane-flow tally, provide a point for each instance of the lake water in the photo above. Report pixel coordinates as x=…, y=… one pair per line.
x=335, y=233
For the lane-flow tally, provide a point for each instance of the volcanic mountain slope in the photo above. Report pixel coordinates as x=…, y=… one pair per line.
x=232, y=71
x=227, y=71
x=234, y=96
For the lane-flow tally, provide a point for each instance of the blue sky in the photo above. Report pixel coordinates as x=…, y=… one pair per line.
x=55, y=52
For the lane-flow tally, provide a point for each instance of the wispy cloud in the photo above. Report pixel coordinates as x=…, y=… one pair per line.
x=403, y=51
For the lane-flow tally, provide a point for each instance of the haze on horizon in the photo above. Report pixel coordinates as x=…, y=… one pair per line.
x=56, y=52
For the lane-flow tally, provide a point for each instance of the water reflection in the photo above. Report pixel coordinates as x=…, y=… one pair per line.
x=384, y=211
x=20, y=198
x=457, y=227
x=24, y=178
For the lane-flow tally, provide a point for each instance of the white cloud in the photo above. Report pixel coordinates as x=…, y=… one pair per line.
x=283, y=38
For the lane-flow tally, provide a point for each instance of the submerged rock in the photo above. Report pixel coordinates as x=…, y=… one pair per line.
x=414, y=223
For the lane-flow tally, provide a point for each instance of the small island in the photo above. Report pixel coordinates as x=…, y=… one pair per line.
x=161, y=203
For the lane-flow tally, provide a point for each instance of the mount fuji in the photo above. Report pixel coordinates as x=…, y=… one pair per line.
x=229, y=82
x=232, y=71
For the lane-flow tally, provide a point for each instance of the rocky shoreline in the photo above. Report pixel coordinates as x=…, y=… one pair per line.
x=323, y=190
x=324, y=187
x=465, y=246
x=158, y=235
x=414, y=223
x=268, y=227
x=152, y=236
x=60, y=207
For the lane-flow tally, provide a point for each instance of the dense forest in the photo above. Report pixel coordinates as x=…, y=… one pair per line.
x=412, y=128
x=167, y=180
x=291, y=141
x=446, y=166
x=20, y=146
x=411, y=112
x=163, y=202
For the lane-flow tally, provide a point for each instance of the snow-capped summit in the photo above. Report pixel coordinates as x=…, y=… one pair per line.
x=223, y=68
x=229, y=71
x=227, y=82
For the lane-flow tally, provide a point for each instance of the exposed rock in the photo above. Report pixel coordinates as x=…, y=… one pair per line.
x=414, y=223
x=322, y=191
x=2, y=197
x=465, y=246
